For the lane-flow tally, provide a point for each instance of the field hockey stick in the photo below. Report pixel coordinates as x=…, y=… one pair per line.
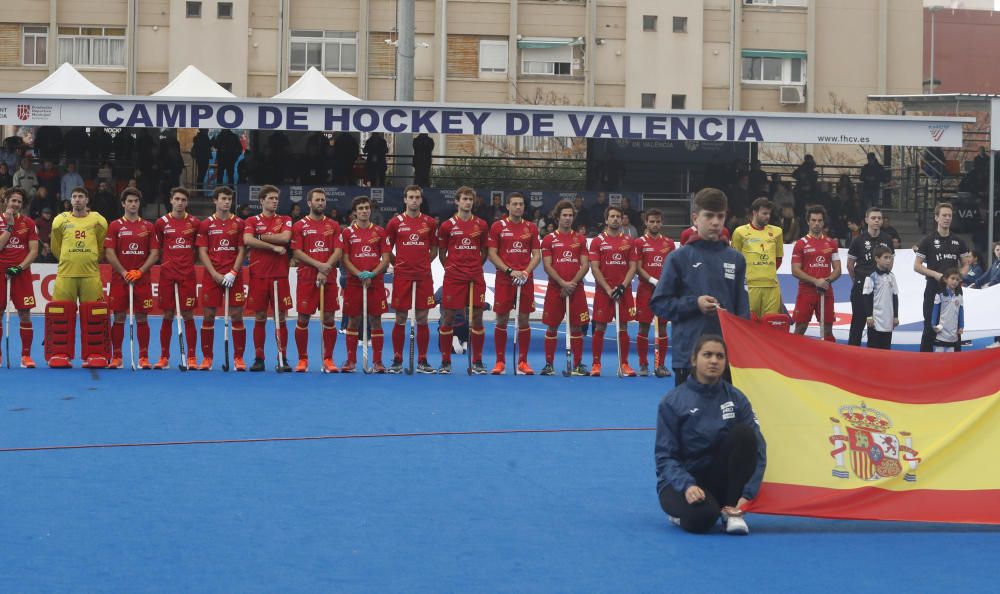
x=468, y=324
x=656, y=345
x=364, y=329
x=180, y=329
x=6, y=322
x=277, y=330
x=225, y=331
x=822, y=315
x=413, y=323
x=517, y=327
x=569, y=349
x=618, y=335
x=131, y=325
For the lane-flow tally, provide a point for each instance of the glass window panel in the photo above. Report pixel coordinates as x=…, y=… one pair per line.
x=771, y=69
x=331, y=59
x=42, y=30
x=114, y=32
x=41, y=49
x=69, y=30
x=348, y=57
x=796, y=70
x=298, y=56
x=29, y=50
x=314, y=55
x=747, y=69
x=65, y=47
x=305, y=33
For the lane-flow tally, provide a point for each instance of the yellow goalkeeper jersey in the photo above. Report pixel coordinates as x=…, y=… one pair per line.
x=762, y=248
x=78, y=243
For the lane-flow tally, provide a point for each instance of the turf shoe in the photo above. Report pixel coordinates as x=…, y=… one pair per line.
x=258, y=365
x=445, y=368
x=397, y=366
x=329, y=366
x=595, y=370
x=144, y=363
x=580, y=370
x=524, y=369
x=478, y=368
x=424, y=367
x=303, y=366
x=163, y=363
x=547, y=370
x=239, y=364
x=644, y=371
x=627, y=371
x=206, y=364
x=498, y=369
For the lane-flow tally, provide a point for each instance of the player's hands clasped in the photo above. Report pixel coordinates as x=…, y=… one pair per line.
x=14, y=271
x=694, y=494
x=229, y=280
x=617, y=293
x=366, y=275
x=133, y=275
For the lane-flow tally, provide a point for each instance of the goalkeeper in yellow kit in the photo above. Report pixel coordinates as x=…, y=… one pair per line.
x=762, y=246
x=77, y=242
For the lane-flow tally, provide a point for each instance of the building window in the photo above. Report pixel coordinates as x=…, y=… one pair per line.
x=648, y=100
x=551, y=61
x=35, y=43
x=493, y=56
x=193, y=10
x=92, y=46
x=776, y=2
x=224, y=10
x=680, y=24
x=649, y=22
x=328, y=51
x=678, y=101
x=776, y=70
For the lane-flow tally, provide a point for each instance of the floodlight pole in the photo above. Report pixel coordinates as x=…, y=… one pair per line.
x=406, y=47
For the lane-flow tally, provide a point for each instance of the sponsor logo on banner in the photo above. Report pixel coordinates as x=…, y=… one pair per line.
x=614, y=199
x=537, y=199
x=23, y=112
x=874, y=451
x=378, y=195
x=937, y=131
x=295, y=193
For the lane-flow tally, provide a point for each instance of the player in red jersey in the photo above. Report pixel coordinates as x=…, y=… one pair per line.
x=613, y=270
x=316, y=245
x=413, y=236
x=514, y=249
x=221, y=251
x=176, y=232
x=267, y=236
x=816, y=263
x=649, y=252
x=365, y=258
x=462, y=249
x=131, y=248
x=565, y=260
x=18, y=249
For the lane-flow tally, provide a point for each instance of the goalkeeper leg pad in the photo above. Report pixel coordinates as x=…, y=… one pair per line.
x=60, y=333
x=95, y=336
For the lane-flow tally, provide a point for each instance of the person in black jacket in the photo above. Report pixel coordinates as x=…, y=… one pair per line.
x=710, y=453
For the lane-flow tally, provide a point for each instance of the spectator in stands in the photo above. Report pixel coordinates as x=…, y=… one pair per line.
x=104, y=202
x=11, y=154
x=246, y=169
x=889, y=230
x=105, y=173
x=423, y=152
x=101, y=143
x=49, y=142
x=6, y=179
x=228, y=149
x=628, y=229
x=481, y=209
x=75, y=143
x=872, y=176
x=26, y=179
x=739, y=198
x=201, y=154
x=48, y=177
x=976, y=270
x=376, y=164
x=981, y=170
x=806, y=177
x=71, y=179
x=43, y=224
x=295, y=212
x=170, y=164
x=41, y=200
x=789, y=224
x=582, y=214
x=758, y=180
x=345, y=153
x=124, y=148
x=244, y=212
x=632, y=214
x=497, y=209
x=595, y=213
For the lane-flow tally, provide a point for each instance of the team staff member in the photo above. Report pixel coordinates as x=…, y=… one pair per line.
x=860, y=265
x=221, y=251
x=267, y=236
x=710, y=454
x=816, y=263
x=176, y=233
x=131, y=248
x=613, y=270
x=18, y=249
x=762, y=246
x=564, y=258
x=936, y=253
x=649, y=252
x=413, y=236
x=513, y=248
x=365, y=259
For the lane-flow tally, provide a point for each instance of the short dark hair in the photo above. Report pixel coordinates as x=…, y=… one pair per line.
x=561, y=206
x=413, y=188
x=760, y=203
x=872, y=209
x=881, y=250
x=618, y=209
x=80, y=190
x=705, y=339
x=219, y=190
x=710, y=199
x=131, y=192
x=358, y=201
x=180, y=190
x=268, y=189
x=652, y=212
x=315, y=191
x=513, y=195
x=15, y=190
x=816, y=209
x=465, y=190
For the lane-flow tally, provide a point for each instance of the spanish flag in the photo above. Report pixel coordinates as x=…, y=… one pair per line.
x=868, y=434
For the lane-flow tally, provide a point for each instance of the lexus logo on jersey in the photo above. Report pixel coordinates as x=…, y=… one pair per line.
x=616, y=257
x=517, y=245
x=320, y=245
x=366, y=249
x=133, y=247
x=414, y=237
x=223, y=243
x=14, y=241
x=567, y=254
x=466, y=241
x=820, y=260
x=658, y=259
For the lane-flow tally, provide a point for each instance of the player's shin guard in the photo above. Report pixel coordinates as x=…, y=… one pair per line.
x=142, y=335
x=302, y=341
x=597, y=345
x=27, y=335
x=398, y=337
x=166, y=331
x=551, y=339
x=500, y=342
x=191, y=337
x=239, y=339
x=523, y=343
x=207, y=341
x=445, y=334
x=60, y=333
x=576, y=343
x=352, y=345
x=378, y=343
x=662, y=344
x=642, y=346
x=283, y=338
x=625, y=344
x=259, y=336
x=117, y=337
x=95, y=341
x=423, y=340
x=329, y=340
x=477, y=339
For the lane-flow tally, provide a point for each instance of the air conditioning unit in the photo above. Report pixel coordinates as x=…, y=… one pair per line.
x=790, y=95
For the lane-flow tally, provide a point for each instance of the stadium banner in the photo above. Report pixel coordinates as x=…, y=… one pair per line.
x=906, y=441
x=447, y=118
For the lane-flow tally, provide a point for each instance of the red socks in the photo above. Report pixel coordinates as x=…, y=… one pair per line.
x=500, y=342
x=142, y=335
x=117, y=338
x=423, y=339
x=352, y=345
x=259, y=335
x=523, y=343
x=329, y=340
x=302, y=341
x=478, y=338
x=191, y=337
x=444, y=342
x=207, y=340
x=551, y=340
x=576, y=343
x=239, y=339
x=642, y=345
x=597, y=345
x=398, y=338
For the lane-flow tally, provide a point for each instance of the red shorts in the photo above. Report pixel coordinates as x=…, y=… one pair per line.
x=402, y=293
x=643, y=313
x=213, y=294
x=186, y=290
x=605, y=309
x=261, y=294
x=455, y=294
x=142, y=297
x=22, y=290
x=554, y=309
x=307, y=298
x=807, y=305
x=505, y=291
x=353, y=295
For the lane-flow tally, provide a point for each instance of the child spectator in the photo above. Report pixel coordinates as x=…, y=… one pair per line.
x=948, y=315
x=976, y=270
x=881, y=295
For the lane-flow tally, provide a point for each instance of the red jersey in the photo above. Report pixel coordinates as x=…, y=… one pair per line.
x=223, y=238
x=566, y=250
x=612, y=255
x=266, y=263
x=650, y=252
x=176, y=238
x=318, y=239
x=514, y=242
x=413, y=238
x=364, y=245
x=132, y=242
x=691, y=234
x=464, y=241
x=816, y=255
x=17, y=247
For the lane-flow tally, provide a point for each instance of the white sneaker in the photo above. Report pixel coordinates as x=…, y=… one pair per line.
x=736, y=525
x=674, y=520
x=995, y=345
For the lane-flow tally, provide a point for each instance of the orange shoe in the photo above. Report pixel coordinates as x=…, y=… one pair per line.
x=329, y=366
x=96, y=362
x=627, y=371
x=348, y=367
x=116, y=363
x=206, y=364
x=144, y=363
x=163, y=363
x=499, y=368
x=595, y=370
x=192, y=363
x=303, y=366
x=378, y=367
x=239, y=364
x=26, y=362
x=60, y=362
x=524, y=369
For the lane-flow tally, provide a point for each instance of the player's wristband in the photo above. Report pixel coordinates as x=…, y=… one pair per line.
x=510, y=271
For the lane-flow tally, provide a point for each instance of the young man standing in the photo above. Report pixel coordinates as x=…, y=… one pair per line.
x=266, y=236
x=860, y=265
x=316, y=246
x=762, y=246
x=816, y=263
x=514, y=249
x=131, y=248
x=564, y=258
x=18, y=249
x=613, y=269
x=462, y=245
x=649, y=252
x=221, y=251
x=936, y=253
x=414, y=238
x=365, y=259
x=176, y=233
x=697, y=281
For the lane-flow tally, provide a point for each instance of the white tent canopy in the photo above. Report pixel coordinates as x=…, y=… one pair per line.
x=313, y=85
x=66, y=80
x=192, y=82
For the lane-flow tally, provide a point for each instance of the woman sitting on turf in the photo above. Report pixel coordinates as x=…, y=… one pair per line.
x=710, y=454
